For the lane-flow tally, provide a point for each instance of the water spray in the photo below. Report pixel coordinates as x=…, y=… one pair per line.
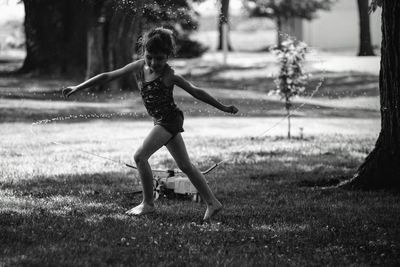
x=169, y=172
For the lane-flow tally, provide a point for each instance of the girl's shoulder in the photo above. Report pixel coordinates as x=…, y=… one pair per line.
x=136, y=65
x=141, y=63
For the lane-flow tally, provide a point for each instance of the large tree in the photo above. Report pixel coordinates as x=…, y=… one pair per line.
x=79, y=37
x=55, y=36
x=86, y=37
x=284, y=10
x=381, y=168
x=112, y=33
x=365, y=45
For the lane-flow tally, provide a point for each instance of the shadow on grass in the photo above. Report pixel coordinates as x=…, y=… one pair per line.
x=334, y=84
x=90, y=186
x=85, y=196
x=79, y=220
x=30, y=99
x=321, y=182
x=299, y=167
x=68, y=219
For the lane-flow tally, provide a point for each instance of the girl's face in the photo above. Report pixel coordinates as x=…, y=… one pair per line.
x=155, y=61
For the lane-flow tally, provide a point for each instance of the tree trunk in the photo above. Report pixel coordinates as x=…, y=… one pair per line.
x=125, y=49
x=279, y=37
x=381, y=168
x=95, y=44
x=365, y=46
x=55, y=37
x=222, y=19
x=81, y=38
x=112, y=40
x=288, y=106
x=289, y=136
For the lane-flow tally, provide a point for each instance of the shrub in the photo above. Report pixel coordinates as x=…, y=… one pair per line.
x=187, y=48
x=292, y=78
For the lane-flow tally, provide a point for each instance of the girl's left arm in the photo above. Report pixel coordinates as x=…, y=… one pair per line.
x=202, y=95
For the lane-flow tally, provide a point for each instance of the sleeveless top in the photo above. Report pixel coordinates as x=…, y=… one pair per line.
x=157, y=97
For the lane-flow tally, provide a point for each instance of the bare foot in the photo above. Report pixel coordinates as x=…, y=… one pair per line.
x=141, y=209
x=212, y=210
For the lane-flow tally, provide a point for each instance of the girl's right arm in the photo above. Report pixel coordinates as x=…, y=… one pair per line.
x=104, y=77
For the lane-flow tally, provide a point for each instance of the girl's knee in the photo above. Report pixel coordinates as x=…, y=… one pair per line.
x=139, y=157
x=186, y=168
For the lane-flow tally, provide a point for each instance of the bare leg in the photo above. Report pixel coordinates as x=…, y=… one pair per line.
x=154, y=141
x=178, y=151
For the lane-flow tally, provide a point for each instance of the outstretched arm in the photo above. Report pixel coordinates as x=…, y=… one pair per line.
x=103, y=78
x=202, y=95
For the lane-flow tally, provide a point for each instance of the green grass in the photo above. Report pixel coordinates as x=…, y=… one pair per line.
x=62, y=207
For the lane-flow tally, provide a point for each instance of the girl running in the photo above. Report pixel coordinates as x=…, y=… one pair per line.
x=156, y=81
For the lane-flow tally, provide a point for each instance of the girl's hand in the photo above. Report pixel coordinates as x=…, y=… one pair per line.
x=230, y=109
x=67, y=91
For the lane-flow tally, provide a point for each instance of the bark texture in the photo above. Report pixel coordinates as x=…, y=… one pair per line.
x=112, y=37
x=55, y=36
x=381, y=168
x=81, y=38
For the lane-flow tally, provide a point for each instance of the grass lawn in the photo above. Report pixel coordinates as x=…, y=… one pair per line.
x=62, y=207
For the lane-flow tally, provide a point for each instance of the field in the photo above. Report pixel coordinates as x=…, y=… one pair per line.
x=61, y=206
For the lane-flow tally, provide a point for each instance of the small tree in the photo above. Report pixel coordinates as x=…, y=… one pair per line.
x=292, y=78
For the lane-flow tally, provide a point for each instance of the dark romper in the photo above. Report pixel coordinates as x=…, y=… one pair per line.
x=159, y=102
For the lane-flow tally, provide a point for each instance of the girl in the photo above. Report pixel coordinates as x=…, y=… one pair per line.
x=156, y=82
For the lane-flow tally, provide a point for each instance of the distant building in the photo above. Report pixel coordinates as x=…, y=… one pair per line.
x=337, y=29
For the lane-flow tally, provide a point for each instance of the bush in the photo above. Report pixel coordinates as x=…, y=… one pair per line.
x=292, y=78
x=187, y=48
